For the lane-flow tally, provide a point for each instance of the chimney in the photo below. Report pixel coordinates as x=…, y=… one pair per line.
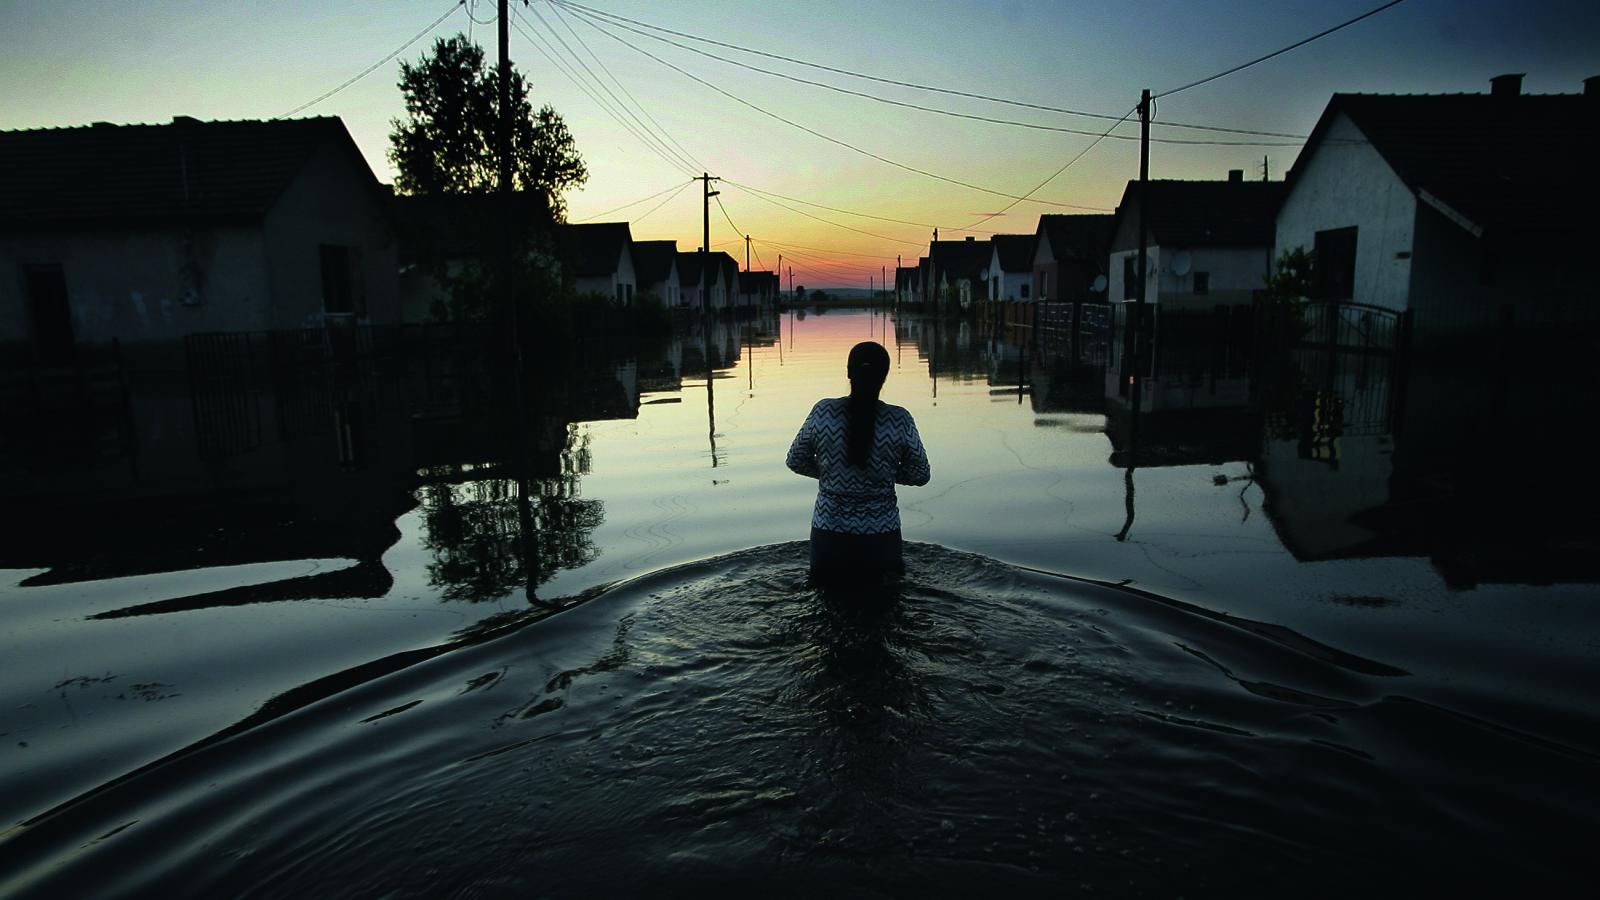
x=1591, y=86
x=1236, y=176
x=1506, y=85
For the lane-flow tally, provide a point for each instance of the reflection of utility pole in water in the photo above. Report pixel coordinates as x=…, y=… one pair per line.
x=711, y=402
x=1127, y=487
x=1135, y=343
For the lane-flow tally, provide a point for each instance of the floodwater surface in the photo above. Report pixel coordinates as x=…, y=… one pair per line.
x=400, y=658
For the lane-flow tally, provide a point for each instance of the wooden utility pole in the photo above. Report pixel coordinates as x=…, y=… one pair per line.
x=1136, y=340
x=747, y=253
x=706, y=193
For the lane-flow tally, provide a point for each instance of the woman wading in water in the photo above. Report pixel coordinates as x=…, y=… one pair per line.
x=858, y=449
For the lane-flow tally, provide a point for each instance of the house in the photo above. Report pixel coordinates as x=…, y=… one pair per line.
x=1456, y=207
x=958, y=271
x=724, y=282
x=757, y=289
x=905, y=285
x=1069, y=255
x=1010, y=273
x=599, y=258
x=1209, y=242
x=442, y=235
x=655, y=266
x=149, y=233
x=691, y=281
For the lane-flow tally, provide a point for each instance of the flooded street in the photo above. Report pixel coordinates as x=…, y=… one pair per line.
x=365, y=629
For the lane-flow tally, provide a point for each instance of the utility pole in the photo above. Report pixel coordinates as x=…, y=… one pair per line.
x=747, y=253
x=1136, y=342
x=706, y=193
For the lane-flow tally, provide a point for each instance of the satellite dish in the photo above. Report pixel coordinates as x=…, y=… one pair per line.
x=1099, y=284
x=1181, y=262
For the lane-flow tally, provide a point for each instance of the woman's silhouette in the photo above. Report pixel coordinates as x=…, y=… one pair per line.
x=858, y=448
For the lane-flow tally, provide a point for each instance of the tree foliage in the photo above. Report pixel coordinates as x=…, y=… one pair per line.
x=446, y=144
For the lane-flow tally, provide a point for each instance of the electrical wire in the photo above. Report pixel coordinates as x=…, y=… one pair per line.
x=687, y=164
x=459, y=4
x=1098, y=136
x=801, y=212
x=652, y=209
x=833, y=140
x=851, y=212
x=1260, y=59
x=538, y=43
x=736, y=229
x=636, y=202
x=660, y=131
x=783, y=246
x=1081, y=153
x=911, y=84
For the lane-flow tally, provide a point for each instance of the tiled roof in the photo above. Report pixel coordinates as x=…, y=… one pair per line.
x=1500, y=161
x=652, y=260
x=959, y=259
x=1078, y=236
x=1207, y=213
x=689, y=269
x=1015, y=250
x=592, y=249
x=755, y=282
x=182, y=171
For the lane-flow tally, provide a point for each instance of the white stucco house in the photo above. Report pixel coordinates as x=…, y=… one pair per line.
x=1010, y=273
x=1069, y=254
x=1209, y=243
x=598, y=256
x=656, y=267
x=1458, y=208
x=150, y=233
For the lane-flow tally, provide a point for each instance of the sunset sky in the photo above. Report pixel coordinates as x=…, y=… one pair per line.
x=72, y=63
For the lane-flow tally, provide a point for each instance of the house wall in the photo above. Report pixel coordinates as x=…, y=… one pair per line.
x=1346, y=182
x=145, y=284
x=331, y=201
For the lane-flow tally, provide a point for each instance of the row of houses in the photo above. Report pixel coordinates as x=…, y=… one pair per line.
x=1456, y=208
x=149, y=233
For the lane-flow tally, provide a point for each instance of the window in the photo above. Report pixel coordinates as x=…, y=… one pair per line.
x=994, y=289
x=1333, y=273
x=1130, y=281
x=1024, y=289
x=1202, y=282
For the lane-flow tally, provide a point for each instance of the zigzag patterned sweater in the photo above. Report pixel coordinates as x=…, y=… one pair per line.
x=853, y=499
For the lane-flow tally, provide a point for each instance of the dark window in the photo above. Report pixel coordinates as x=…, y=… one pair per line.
x=341, y=280
x=1024, y=289
x=49, y=311
x=1334, y=269
x=1130, y=281
x=1202, y=282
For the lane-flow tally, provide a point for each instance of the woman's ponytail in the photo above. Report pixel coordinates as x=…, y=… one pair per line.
x=868, y=365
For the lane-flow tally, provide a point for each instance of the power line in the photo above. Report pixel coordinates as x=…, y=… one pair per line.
x=459, y=4
x=845, y=144
x=1259, y=59
x=825, y=250
x=681, y=189
x=851, y=212
x=636, y=202
x=736, y=229
x=689, y=165
x=685, y=154
x=1098, y=136
x=1081, y=153
x=911, y=84
x=801, y=212
x=538, y=43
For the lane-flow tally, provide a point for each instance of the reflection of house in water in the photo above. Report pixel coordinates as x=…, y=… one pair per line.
x=149, y=233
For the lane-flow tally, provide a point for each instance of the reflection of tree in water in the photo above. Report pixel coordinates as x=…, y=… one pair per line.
x=485, y=545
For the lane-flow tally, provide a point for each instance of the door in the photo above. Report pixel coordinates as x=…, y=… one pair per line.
x=46, y=290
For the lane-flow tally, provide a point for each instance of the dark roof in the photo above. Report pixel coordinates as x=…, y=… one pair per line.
x=592, y=249
x=1078, y=236
x=960, y=259
x=689, y=269
x=1015, y=251
x=652, y=260
x=754, y=282
x=454, y=226
x=1206, y=213
x=1499, y=161
x=183, y=171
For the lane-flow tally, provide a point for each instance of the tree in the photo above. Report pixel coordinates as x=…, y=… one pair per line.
x=446, y=144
